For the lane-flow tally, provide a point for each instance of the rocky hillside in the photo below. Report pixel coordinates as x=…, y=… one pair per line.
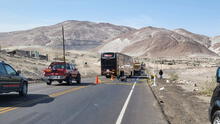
x=202, y=39
x=158, y=42
x=84, y=35
x=78, y=34
x=215, y=44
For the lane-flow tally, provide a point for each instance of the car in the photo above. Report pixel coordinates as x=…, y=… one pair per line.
x=60, y=72
x=214, y=108
x=11, y=80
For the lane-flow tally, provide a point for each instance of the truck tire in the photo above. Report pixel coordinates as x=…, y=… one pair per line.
x=78, y=79
x=124, y=78
x=108, y=76
x=49, y=82
x=24, y=90
x=69, y=80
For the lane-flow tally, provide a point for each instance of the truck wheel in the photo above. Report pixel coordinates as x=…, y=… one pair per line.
x=108, y=76
x=49, y=82
x=124, y=78
x=69, y=80
x=78, y=80
x=24, y=90
x=216, y=117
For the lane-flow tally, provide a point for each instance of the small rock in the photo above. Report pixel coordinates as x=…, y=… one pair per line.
x=162, y=88
x=196, y=89
x=195, y=85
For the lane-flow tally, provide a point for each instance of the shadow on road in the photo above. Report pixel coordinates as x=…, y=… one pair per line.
x=14, y=100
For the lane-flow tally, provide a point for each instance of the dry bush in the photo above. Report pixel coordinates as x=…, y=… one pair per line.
x=173, y=76
x=208, y=88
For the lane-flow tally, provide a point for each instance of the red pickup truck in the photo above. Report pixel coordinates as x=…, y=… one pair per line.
x=61, y=71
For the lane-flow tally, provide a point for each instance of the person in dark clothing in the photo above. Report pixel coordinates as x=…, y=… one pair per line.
x=161, y=73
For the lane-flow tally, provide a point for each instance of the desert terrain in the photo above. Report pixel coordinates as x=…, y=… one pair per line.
x=189, y=60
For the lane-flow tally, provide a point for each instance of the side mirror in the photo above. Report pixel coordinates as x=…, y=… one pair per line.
x=218, y=75
x=18, y=72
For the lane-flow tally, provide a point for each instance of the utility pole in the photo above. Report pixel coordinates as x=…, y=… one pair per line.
x=64, y=58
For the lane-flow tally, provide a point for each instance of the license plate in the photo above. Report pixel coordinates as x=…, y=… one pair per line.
x=54, y=77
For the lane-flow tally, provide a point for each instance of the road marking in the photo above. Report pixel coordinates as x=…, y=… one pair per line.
x=66, y=91
x=123, y=83
x=7, y=109
x=120, y=117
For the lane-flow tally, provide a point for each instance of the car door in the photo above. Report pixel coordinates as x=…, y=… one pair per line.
x=14, y=79
x=3, y=76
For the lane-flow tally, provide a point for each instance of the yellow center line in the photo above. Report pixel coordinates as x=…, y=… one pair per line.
x=66, y=91
x=7, y=109
x=123, y=83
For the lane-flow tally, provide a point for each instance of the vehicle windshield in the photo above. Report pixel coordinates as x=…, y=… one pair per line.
x=57, y=66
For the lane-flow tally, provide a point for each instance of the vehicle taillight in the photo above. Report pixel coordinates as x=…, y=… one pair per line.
x=47, y=70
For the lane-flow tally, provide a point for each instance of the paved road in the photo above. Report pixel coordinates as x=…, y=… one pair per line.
x=112, y=102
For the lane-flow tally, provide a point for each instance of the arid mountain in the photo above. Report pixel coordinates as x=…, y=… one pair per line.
x=84, y=35
x=78, y=35
x=202, y=39
x=215, y=44
x=156, y=42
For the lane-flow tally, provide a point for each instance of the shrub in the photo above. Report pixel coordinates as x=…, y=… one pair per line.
x=173, y=76
x=209, y=87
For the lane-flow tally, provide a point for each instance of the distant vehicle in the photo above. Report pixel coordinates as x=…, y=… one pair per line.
x=214, y=109
x=11, y=81
x=61, y=71
x=116, y=64
x=139, y=69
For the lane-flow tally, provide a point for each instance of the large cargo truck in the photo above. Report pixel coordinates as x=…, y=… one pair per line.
x=116, y=64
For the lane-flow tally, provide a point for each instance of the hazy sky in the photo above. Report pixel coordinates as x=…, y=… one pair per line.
x=198, y=16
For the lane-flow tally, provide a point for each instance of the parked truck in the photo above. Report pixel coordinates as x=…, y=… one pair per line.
x=116, y=64
x=62, y=71
x=138, y=69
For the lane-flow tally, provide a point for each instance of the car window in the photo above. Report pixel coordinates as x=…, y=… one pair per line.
x=73, y=67
x=10, y=70
x=2, y=70
x=68, y=66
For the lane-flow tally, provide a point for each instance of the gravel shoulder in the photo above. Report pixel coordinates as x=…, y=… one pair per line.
x=179, y=105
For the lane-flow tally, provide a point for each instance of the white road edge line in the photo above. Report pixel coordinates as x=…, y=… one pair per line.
x=120, y=117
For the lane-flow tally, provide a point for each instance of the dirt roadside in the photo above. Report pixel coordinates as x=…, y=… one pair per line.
x=180, y=106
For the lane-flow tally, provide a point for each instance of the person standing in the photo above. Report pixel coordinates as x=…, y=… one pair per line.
x=161, y=73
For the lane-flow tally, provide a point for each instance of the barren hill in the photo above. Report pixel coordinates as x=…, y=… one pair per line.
x=78, y=35
x=215, y=44
x=202, y=39
x=156, y=42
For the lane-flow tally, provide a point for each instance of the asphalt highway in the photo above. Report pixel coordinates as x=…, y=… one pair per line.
x=111, y=102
